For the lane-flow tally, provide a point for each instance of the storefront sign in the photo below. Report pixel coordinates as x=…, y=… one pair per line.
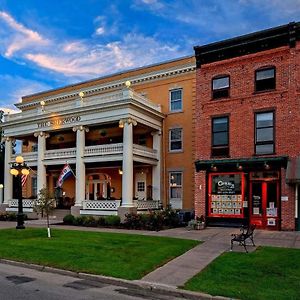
x=225, y=187
x=59, y=122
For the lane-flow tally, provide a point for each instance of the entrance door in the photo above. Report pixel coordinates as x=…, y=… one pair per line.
x=264, y=204
x=140, y=186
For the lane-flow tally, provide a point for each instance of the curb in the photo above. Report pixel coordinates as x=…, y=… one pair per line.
x=146, y=286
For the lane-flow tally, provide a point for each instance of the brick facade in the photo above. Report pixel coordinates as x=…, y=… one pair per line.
x=241, y=106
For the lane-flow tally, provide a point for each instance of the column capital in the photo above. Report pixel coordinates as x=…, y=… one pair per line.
x=128, y=120
x=7, y=139
x=156, y=132
x=81, y=128
x=41, y=133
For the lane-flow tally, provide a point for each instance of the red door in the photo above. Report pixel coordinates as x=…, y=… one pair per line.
x=264, y=204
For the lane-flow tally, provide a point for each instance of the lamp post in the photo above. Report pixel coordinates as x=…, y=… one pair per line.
x=19, y=168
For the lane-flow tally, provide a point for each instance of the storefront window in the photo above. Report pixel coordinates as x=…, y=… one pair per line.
x=226, y=195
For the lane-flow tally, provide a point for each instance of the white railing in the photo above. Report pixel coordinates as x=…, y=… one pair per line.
x=60, y=153
x=104, y=149
x=147, y=205
x=26, y=203
x=144, y=151
x=101, y=205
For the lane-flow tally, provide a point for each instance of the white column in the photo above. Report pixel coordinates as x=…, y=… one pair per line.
x=127, y=178
x=41, y=168
x=156, y=170
x=8, y=179
x=80, y=166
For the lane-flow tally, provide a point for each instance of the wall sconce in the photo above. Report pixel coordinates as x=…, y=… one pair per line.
x=120, y=172
x=266, y=166
x=213, y=168
x=128, y=84
x=239, y=167
x=121, y=124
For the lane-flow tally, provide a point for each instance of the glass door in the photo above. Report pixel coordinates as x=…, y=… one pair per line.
x=264, y=204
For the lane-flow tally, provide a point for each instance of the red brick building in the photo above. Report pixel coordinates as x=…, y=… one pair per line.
x=247, y=129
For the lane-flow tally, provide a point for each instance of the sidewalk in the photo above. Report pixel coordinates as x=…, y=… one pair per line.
x=216, y=240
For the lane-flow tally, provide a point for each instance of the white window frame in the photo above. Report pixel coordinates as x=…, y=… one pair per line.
x=176, y=200
x=181, y=140
x=170, y=100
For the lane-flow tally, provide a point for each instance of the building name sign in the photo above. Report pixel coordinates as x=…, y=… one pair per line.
x=59, y=122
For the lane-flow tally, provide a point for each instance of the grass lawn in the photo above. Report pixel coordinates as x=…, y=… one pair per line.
x=267, y=273
x=111, y=254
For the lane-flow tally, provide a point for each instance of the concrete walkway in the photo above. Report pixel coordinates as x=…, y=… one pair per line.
x=216, y=241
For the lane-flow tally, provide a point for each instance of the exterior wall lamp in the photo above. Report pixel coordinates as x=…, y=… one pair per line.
x=18, y=169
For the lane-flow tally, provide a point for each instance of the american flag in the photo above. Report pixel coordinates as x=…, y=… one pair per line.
x=24, y=179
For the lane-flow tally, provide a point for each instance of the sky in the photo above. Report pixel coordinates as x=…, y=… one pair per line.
x=48, y=44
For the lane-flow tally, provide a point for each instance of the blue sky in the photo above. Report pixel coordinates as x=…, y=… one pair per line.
x=48, y=44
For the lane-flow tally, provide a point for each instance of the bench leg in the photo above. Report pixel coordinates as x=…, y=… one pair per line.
x=231, y=245
x=251, y=238
x=244, y=244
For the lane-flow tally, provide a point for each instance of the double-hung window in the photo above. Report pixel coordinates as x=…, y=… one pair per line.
x=175, y=189
x=220, y=136
x=175, y=139
x=264, y=133
x=176, y=100
x=265, y=79
x=220, y=87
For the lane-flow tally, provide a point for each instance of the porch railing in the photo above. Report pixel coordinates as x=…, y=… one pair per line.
x=147, y=204
x=104, y=149
x=27, y=203
x=101, y=205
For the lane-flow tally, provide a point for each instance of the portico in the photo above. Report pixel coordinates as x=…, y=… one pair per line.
x=119, y=131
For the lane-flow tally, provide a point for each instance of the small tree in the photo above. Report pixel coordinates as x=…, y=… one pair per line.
x=44, y=206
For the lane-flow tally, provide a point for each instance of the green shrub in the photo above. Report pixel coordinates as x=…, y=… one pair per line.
x=101, y=221
x=89, y=221
x=170, y=217
x=133, y=221
x=79, y=221
x=8, y=216
x=69, y=219
x=112, y=220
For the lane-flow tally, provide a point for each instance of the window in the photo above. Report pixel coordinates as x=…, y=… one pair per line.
x=265, y=79
x=220, y=87
x=34, y=147
x=142, y=140
x=175, y=139
x=176, y=100
x=264, y=133
x=141, y=186
x=220, y=136
x=175, y=185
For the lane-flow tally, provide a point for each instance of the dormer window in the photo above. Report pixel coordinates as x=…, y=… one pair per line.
x=220, y=87
x=265, y=79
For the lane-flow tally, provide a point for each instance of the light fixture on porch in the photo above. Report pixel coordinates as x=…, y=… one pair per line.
x=239, y=167
x=121, y=124
x=128, y=84
x=213, y=167
x=120, y=172
x=267, y=166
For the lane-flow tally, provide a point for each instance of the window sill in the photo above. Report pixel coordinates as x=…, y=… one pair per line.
x=264, y=154
x=221, y=98
x=176, y=151
x=264, y=91
x=175, y=112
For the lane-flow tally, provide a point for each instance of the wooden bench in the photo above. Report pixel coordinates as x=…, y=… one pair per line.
x=241, y=238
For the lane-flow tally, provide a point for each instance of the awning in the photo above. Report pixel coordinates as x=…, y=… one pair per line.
x=249, y=163
x=293, y=170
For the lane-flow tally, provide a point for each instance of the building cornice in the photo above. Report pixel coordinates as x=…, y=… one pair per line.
x=105, y=87
x=285, y=35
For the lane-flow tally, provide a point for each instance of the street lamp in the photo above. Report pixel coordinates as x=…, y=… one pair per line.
x=19, y=168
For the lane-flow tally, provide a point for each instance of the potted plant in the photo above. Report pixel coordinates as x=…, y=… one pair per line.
x=198, y=223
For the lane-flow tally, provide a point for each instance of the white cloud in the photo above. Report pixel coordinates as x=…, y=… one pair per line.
x=84, y=59
x=100, y=30
x=22, y=37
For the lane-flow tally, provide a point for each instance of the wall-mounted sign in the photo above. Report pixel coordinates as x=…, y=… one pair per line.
x=284, y=198
x=59, y=121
